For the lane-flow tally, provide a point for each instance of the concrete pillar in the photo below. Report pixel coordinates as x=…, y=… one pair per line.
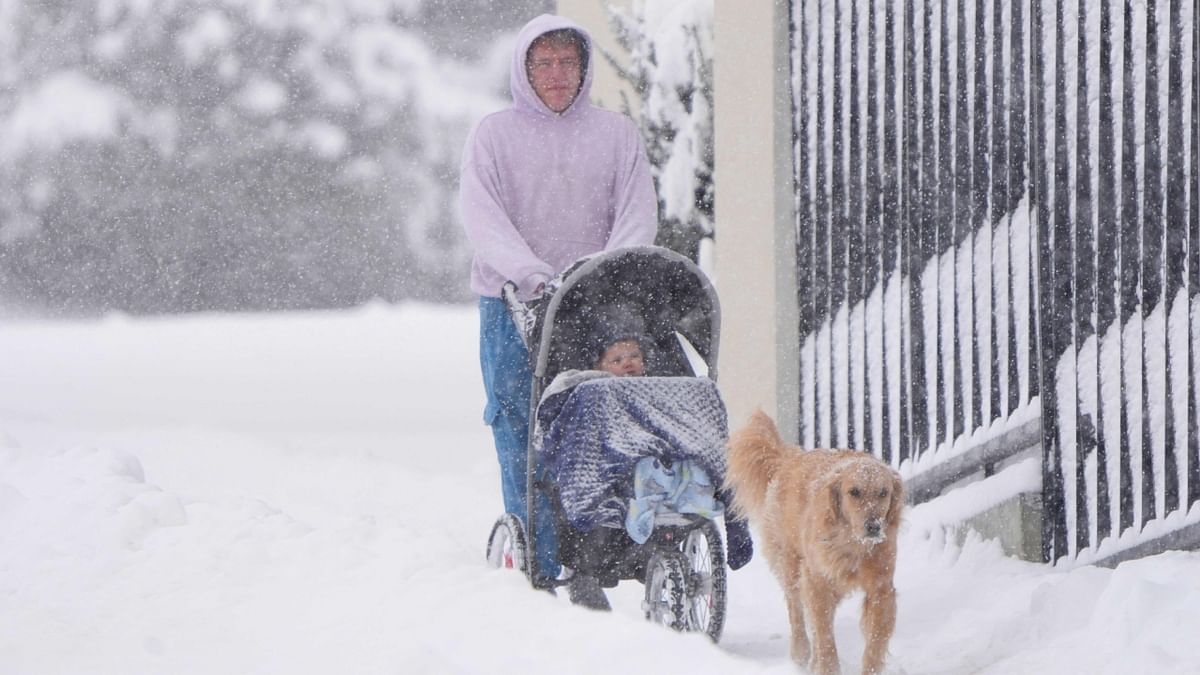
x=755, y=222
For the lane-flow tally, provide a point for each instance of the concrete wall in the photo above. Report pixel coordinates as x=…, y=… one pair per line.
x=755, y=223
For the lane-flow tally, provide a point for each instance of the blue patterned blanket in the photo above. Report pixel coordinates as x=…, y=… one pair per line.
x=593, y=432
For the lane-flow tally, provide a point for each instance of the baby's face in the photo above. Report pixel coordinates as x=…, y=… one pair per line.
x=623, y=358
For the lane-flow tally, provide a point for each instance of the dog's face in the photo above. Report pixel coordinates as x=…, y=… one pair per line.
x=866, y=496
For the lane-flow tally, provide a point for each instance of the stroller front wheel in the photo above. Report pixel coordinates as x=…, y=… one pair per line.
x=506, y=544
x=704, y=576
x=665, y=590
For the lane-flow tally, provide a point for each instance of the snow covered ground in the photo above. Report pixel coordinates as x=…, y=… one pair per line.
x=310, y=493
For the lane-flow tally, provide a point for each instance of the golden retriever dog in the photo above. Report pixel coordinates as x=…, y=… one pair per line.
x=828, y=519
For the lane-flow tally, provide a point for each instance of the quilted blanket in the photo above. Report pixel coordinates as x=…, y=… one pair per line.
x=602, y=426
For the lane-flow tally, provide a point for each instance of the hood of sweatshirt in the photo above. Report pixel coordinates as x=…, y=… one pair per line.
x=525, y=99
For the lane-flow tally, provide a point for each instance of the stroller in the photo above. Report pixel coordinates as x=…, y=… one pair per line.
x=682, y=558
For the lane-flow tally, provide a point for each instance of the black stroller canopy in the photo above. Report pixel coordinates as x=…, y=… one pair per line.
x=665, y=291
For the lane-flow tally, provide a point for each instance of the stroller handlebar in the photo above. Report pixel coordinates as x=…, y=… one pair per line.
x=523, y=313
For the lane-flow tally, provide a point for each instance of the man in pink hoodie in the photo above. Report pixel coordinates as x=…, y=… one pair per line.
x=544, y=182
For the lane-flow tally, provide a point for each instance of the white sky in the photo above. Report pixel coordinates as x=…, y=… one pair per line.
x=311, y=493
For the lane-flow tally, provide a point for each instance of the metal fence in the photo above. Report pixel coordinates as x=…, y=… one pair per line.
x=997, y=221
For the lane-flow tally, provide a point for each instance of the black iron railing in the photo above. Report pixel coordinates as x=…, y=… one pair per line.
x=997, y=220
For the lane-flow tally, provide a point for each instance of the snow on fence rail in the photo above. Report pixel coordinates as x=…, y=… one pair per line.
x=996, y=207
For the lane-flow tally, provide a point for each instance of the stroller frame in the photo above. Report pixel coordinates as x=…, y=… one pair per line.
x=683, y=304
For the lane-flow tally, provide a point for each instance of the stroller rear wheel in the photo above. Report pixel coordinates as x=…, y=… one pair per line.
x=506, y=544
x=665, y=590
x=704, y=580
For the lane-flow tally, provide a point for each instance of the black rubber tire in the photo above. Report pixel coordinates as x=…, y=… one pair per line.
x=704, y=576
x=665, y=590
x=506, y=544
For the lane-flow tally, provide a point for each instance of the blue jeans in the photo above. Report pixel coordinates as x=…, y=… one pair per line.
x=507, y=379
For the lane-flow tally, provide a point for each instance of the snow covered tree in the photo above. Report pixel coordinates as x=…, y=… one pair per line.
x=218, y=154
x=670, y=67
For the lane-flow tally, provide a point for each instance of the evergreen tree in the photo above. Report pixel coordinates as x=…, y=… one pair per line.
x=670, y=68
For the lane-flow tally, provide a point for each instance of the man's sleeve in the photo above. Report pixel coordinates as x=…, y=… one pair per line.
x=496, y=241
x=635, y=221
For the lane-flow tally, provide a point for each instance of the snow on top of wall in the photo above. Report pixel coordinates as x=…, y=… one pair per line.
x=998, y=427
x=1132, y=537
x=975, y=498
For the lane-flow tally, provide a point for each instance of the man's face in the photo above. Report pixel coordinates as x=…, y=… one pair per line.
x=555, y=73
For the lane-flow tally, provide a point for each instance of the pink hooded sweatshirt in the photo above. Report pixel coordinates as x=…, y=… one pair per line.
x=541, y=189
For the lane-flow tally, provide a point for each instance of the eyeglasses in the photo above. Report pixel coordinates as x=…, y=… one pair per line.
x=544, y=65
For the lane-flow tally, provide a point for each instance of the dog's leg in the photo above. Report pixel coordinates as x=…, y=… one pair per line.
x=878, y=622
x=801, y=650
x=821, y=600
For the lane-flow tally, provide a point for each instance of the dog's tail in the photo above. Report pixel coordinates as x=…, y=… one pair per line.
x=756, y=452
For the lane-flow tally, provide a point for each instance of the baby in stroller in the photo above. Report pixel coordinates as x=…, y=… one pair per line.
x=632, y=464
x=623, y=358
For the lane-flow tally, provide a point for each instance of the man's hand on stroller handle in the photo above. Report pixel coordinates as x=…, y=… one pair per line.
x=522, y=313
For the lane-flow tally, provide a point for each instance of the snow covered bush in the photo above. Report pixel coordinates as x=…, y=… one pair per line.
x=670, y=67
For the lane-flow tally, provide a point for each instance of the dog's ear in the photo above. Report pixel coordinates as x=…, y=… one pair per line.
x=893, y=513
x=835, y=499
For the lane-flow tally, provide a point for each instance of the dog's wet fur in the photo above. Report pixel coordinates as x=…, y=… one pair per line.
x=828, y=520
